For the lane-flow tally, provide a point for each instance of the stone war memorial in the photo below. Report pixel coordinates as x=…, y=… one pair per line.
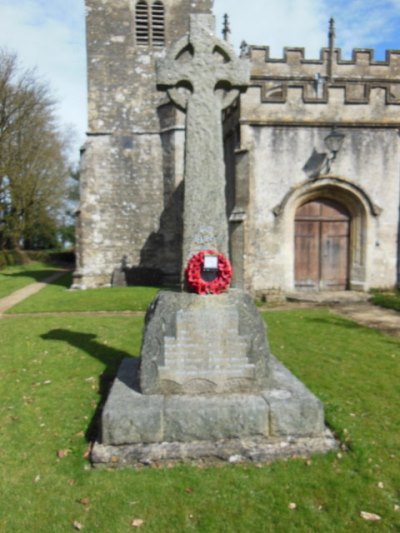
x=206, y=386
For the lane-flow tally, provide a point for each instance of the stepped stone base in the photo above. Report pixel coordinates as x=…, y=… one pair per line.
x=282, y=421
x=234, y=451
x=207, y=387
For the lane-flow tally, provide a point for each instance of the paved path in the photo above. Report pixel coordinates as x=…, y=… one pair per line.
x=16, y=297
x=362, y=312
x=353, y=305
x=386, y=320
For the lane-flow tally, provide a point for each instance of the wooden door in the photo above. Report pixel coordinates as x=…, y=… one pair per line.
x=322, y=232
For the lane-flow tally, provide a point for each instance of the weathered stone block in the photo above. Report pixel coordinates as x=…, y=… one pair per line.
x=294, y=409
x=128, y=416
x=286, y=410
x=215, y=417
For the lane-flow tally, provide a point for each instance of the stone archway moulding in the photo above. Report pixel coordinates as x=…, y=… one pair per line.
x=312, y=189
x=358, y=203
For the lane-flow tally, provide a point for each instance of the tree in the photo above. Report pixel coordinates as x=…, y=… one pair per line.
x=66, y=230
x=33, y=160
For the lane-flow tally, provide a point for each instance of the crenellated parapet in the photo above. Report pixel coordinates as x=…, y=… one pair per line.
x=340, y=85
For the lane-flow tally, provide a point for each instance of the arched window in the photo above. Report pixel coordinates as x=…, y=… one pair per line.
x=142, y=23
x=157, y=24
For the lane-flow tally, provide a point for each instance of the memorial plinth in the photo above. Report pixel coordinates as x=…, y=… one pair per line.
x=206, y=385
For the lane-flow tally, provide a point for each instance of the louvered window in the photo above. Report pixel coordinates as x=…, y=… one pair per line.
x=142, y=23
x=157, y=24
x=150, y=26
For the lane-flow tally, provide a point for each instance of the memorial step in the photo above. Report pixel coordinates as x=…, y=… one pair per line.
x=183, y=375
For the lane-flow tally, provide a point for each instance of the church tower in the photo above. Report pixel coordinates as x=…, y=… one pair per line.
x=132, y=162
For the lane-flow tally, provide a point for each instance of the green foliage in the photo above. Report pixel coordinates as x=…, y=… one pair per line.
x=12, y=257
x=26, y=257
x=55, y=373
x=390, y=300
x=33, y=160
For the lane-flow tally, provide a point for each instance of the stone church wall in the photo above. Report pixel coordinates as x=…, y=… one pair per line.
x=278, y=185
x=129, y=225
x=286, y=114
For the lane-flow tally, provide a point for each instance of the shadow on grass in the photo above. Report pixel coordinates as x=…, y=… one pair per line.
x=110, y=357
x=41, y=275
x=337, y=322
x=347, y=323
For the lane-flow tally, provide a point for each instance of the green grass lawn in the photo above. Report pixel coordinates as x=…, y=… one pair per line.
x=390, y=300
x=54, y=372
x=58, y=298
x=13, y=278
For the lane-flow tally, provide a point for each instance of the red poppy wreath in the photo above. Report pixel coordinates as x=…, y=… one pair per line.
x=194, y=271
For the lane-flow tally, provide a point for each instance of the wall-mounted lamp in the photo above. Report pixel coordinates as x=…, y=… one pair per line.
x=333, y=142
x=320, y=163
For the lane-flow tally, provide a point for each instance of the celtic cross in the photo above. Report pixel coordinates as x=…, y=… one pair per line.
x=203, y=76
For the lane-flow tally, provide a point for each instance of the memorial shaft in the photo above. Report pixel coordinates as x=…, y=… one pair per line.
x=212, y=76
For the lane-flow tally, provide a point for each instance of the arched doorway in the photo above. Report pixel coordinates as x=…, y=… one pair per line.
x=322, y=245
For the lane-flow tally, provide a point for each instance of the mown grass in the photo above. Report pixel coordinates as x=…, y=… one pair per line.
x=13, y=278
x=390, y=300
x=59, y=298
x=54, y=372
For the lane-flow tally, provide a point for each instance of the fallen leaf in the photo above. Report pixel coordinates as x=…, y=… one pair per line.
x=85, y=501
x=77, y=525
x=62, y=453
x=381, y=485
x=138, y=522
x=71, y=482
x=37, y=479
x=88, y=451
x=80, y=434
x=370, y=517
x=292, y=506
x=189, y=490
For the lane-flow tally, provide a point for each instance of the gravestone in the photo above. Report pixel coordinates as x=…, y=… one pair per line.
x=206, y=384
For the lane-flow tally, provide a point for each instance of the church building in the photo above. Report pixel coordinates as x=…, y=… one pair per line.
x=312, y=156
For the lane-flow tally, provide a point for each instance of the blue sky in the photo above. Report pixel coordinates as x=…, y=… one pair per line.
x=49, y=35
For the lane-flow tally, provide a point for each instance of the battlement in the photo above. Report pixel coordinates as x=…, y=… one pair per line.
x=330, y=80
x=361, y=57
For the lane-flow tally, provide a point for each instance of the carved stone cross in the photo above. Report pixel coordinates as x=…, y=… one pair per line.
x=203, y=76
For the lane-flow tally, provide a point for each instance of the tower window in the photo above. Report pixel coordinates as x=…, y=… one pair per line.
x=150, y=26
x=142, y=23
x=157, y=24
